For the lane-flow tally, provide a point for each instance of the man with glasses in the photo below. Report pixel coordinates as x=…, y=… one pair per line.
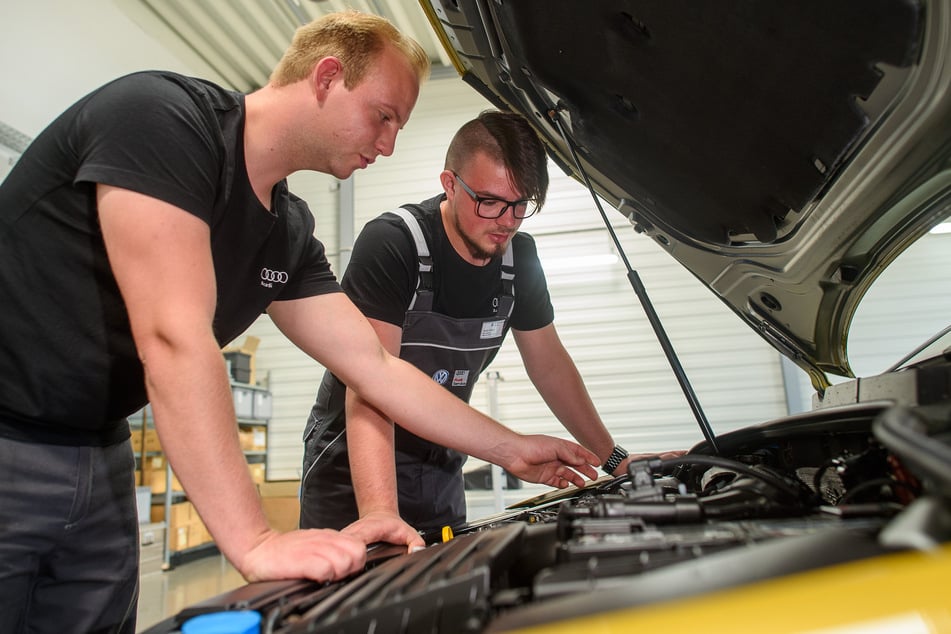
x=442, y=282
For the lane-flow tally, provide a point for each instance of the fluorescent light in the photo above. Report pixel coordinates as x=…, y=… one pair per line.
x=944, y=227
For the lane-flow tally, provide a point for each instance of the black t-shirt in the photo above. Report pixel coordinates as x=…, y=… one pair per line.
x=69, y=371
x=382, y=274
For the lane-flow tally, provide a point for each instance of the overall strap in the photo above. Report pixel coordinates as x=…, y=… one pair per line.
x=507, y=303
x=424, y=281
x=423, y=299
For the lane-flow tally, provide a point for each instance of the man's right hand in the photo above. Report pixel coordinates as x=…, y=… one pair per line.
x=547, y=460
x=316, y=554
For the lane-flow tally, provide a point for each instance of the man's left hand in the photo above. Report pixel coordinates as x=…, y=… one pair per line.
x=384, y=527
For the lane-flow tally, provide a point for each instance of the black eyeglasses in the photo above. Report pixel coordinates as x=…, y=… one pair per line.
x=492, y=208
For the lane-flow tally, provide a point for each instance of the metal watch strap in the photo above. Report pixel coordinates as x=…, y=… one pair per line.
x=616, y=458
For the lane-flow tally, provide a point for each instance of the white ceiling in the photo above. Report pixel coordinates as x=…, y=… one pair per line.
x=46, y=64
x=242, y=40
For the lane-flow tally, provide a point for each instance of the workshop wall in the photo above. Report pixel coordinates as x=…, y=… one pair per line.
x=597, y=313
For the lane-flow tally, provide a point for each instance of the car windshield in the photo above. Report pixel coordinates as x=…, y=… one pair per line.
x=908, y=305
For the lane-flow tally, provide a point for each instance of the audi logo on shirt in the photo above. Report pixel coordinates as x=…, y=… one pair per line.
x=269, y=277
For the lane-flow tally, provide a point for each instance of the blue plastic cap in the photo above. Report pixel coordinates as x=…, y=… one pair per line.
x=246, y=622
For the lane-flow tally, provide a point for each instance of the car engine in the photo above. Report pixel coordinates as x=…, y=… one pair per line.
x=832, y=486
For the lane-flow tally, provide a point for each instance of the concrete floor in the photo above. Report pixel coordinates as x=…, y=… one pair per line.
x=164, y=594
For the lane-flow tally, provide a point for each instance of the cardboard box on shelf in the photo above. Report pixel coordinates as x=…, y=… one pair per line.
x=257, y=472
x=282, y=513
x=258, y=438
x=179, y=537
x=135, y=440
x=145, y=440
x=198, y=534
x=281, y=502
x=153, y=473
x=253, y=438
x=152, y=440
x=185, y=527
x=279, y=488
x=181, y=513
x=246, y=438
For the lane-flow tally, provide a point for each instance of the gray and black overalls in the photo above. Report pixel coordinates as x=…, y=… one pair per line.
x=452, y=351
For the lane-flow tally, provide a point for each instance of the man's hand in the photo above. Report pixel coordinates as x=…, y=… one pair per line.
x=316, y=554
x=547, y=460
x=622, y=468
x=380, y=526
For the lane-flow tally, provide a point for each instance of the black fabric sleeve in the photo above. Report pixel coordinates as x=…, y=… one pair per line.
x=313, y=275
x=533, y=309
x=381, y=277
x=146, y=133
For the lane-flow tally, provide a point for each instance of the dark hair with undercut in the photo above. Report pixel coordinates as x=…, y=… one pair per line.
x=508, y=139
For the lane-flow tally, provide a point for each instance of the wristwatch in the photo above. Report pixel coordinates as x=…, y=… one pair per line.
x=614, y=460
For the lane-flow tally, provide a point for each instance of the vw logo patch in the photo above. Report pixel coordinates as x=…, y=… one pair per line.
x=441, y=376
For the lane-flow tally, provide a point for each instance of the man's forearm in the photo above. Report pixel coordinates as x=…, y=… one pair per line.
x=349, y=348
x=472, y=433
x=565, y=394
x=555, y=376
x=194, y=415
x=370, y=446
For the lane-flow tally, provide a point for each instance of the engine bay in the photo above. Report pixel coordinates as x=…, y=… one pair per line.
x=800, y=494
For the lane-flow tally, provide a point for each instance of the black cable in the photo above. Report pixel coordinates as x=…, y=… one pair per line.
x=817, y=479
x=878, y=482
x=726, y=463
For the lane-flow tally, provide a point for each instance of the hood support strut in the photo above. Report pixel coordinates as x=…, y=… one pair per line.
x=642, y=296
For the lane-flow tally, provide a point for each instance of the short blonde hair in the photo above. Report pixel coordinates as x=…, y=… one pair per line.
x=355, y=38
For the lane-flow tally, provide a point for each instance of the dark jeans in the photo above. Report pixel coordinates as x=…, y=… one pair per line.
x=68, y=539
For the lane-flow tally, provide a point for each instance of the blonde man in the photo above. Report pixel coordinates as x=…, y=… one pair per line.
x=146, y=227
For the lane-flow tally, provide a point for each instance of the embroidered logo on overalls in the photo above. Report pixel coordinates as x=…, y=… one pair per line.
x=453, y=351
x=460, y=378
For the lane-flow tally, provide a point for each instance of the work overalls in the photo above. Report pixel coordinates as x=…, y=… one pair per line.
x=453, y=352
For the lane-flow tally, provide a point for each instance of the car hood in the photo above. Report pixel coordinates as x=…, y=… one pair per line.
x=784, y=153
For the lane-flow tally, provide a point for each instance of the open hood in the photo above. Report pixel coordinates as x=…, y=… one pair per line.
x=784, y=153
